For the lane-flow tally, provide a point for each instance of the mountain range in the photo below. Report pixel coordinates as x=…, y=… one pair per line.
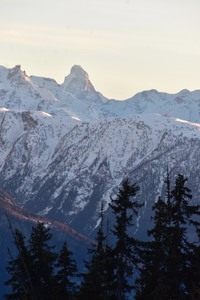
x=65, y=147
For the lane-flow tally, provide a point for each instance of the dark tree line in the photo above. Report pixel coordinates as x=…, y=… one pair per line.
x=38, y=272
x=167, y=260
x=165, y=267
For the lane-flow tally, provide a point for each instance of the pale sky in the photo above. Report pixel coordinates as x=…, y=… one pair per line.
x=126, y=46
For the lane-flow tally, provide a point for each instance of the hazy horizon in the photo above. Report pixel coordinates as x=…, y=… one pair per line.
x=125, y=46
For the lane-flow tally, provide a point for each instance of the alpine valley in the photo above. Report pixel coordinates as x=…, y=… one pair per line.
x=65, y=148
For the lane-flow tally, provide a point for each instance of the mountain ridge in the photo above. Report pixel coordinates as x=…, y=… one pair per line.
x=75, y=100
x=10, y=208
x=65, y=148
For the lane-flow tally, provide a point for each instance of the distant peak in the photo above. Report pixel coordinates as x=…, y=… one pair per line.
x=18, y=67
x=79, y=84
x=78, y=70
x=16, y=73
x=184, y=91
x=77, y=80
x=152, y=91
x=78, y=73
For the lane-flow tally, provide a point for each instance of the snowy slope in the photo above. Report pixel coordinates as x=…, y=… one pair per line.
x=18, y=91
x=64, y=148
x=66, y=178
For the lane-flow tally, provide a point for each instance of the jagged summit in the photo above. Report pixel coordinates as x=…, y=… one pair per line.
x=78, y=72
x=16, y=73
x=77, y=81
x=79, y=84
x=12, y=74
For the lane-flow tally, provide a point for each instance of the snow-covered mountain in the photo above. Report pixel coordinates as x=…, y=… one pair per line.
x=64, y=148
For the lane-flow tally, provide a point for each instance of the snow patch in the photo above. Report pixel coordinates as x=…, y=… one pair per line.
x=4, y=109
x=75, y=118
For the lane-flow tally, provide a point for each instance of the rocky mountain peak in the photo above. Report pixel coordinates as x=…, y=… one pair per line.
x=78, y=72
x=78, y=79
x=16, y=73
x=79, y=84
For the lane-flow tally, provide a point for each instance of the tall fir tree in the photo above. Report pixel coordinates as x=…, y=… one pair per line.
x=152, y=254
x=152, y=283
x=43, y=262
x=66, y=274
x=181, y=248
x=125, y=209
x=20, y=271
x=98, y=279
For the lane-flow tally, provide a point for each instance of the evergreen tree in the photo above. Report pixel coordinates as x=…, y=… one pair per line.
x=109, y=276
x=19, y=269
x=98, y=280
x=67, y=271
x=125, y=208
x=166, y=259
x=43, y=262
x=152, y=283
x=33, y=271
x=181, y=249
x=152, y=254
